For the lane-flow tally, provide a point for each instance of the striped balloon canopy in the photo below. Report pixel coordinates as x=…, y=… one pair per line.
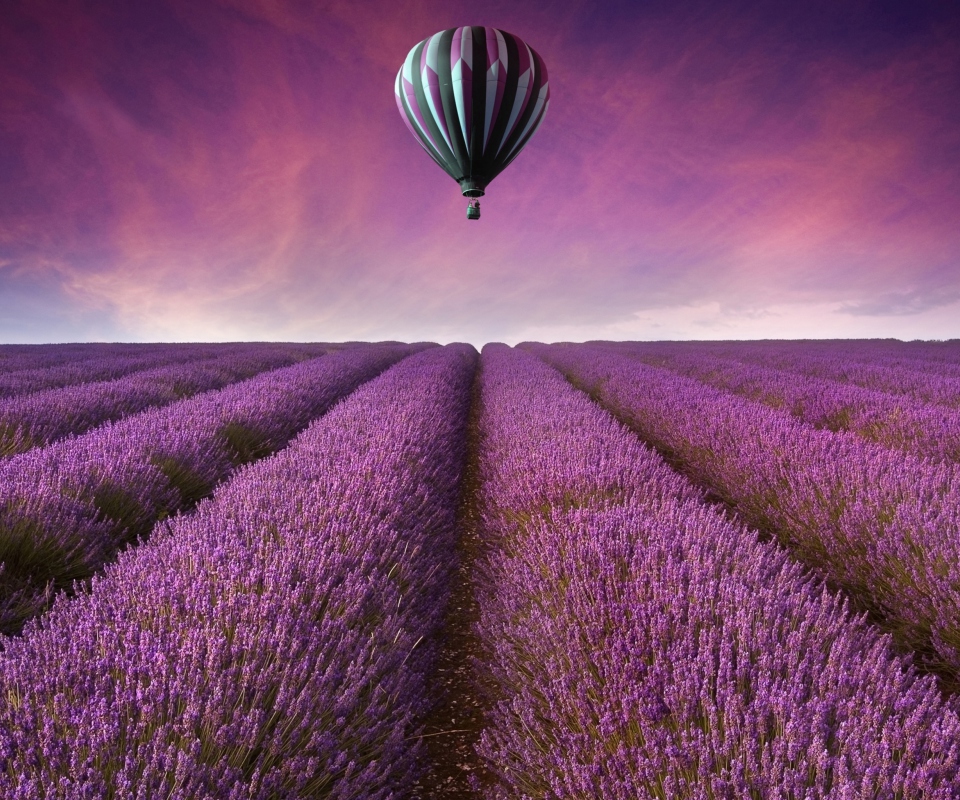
x=473, y=97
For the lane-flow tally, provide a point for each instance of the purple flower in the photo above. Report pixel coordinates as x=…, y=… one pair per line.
x=641, y=644
x=277, y=641
x=66, y=509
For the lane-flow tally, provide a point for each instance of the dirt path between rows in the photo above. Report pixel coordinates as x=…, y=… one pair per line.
x=452, y=731
x=454, y=728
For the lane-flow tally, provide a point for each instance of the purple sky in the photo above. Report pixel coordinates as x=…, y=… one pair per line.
x=238, y=170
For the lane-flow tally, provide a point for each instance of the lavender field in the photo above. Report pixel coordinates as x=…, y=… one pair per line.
x=383, y=570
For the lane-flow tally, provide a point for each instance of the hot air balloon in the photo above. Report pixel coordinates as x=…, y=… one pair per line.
x=473, y=97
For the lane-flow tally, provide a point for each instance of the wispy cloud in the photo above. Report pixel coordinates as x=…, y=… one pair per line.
x=902, y=303
x=237, y=169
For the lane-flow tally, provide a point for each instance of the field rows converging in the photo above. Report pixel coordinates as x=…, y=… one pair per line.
x=413, y=571
x=869, y=366
x=107, y=368
x=16, y=358
x=276, y=643
x=67, y=508
x=928, y=430
x=33, y=420
x=877, y=523
x=644, y=646
x=842, y=356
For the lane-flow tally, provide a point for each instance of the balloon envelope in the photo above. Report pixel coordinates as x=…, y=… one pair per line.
x=473, y=97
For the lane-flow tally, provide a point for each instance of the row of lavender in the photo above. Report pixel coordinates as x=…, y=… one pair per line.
x=67, y=508
x=34, y=420
x=15, y=357
x=880, y=524
x=923, y=378
x=939, y=357
x=112, y=365
x=642, y=645
x=277, y=642
x=901, y=422
x=280, y=640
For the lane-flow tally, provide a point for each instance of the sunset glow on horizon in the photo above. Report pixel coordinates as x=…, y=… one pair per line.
x=237, y=170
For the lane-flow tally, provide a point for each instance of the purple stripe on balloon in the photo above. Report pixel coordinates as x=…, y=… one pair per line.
x=408, y=75
x=542, y=99
x=541, y=71
x=525, y=67
x=523, y=56
x=532, y=124
x=406, y=121
x=493, y=50
x=496, y=79
x=424, y=133
x=431, y=84
x=456, y=47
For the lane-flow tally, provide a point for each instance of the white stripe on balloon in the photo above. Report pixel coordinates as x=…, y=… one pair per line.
x=539, y=111
x=432, y=48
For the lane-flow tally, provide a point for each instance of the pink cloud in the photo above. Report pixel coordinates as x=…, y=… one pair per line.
x=246, y=169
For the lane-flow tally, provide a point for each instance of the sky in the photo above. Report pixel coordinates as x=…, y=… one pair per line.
x=223, y=170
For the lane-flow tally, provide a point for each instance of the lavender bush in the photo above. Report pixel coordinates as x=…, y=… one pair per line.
x=881, y=525
x=16, y=357
x=872, y=365
x=641, y=645
x=37, y=419
x=924, y=429
x=940, y=357
x=116, y=365
x=275, y=643
x=65, y=509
